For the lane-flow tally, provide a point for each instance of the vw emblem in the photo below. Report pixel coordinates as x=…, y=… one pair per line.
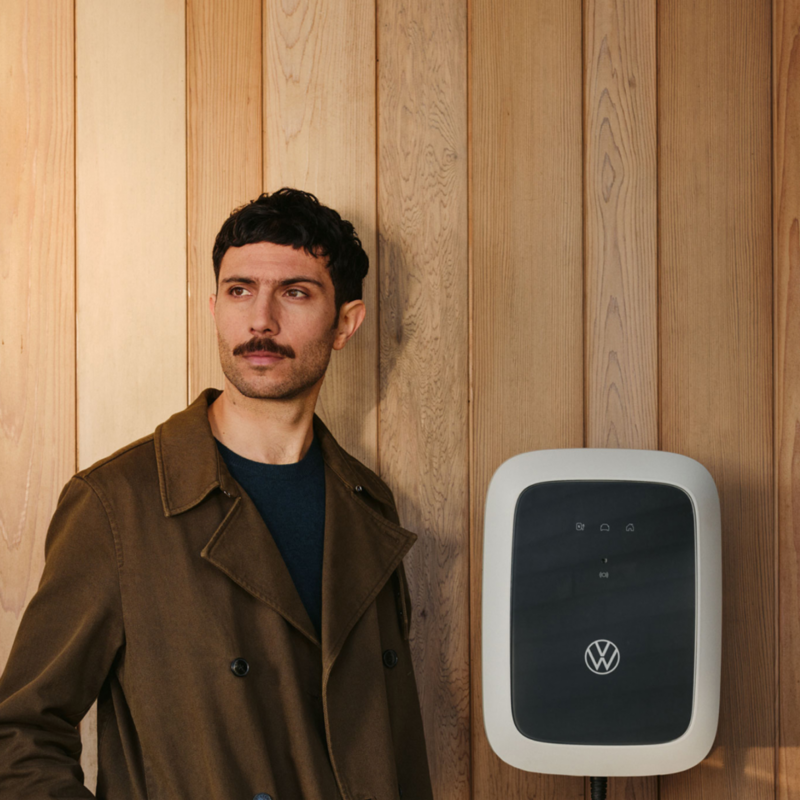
x=602, y=656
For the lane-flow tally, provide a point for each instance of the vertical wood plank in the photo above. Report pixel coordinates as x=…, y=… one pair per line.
x=424, y=338
x=786, y=227
x=37, y=306
x=319, y=136
x=716, y=347
x=620, y=245
x=130, y=228
x=620, y=242
x=224, y=165
x=131, y=220
x=527, y=278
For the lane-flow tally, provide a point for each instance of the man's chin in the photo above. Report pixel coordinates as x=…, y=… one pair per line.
x=265, y=390
x=256, y=392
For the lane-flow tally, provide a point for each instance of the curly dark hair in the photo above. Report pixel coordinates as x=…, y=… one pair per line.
x=297, y=218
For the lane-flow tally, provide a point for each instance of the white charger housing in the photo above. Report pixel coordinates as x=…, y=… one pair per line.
x=602, y=612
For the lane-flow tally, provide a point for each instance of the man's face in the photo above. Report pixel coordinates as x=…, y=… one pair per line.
x=276, y=319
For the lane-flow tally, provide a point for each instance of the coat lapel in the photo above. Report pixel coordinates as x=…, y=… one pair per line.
x=243, y=548
x=362, y=550
x=362, y=547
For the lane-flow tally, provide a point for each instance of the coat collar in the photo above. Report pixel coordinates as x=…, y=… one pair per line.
x=190, y=466
x=362, y=547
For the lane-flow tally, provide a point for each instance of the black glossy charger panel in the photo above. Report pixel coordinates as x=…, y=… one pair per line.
x=603, y=612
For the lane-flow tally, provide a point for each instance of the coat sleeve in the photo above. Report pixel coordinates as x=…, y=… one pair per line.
x=66, y=644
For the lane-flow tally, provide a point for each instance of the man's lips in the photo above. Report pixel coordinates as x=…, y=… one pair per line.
x=262, y=357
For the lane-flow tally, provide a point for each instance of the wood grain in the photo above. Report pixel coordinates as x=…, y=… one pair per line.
x=620, y=227
x=37, y=310
x=131, y=220
x=716, y=393
x=319, y=136
x=424, y=349
x=130, y=227
x=527, y=279
x=506, y=338
x=620, y=231
x=223, y=149
x=786, y=228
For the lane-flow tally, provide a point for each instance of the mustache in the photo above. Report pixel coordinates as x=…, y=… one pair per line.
x=264, y=345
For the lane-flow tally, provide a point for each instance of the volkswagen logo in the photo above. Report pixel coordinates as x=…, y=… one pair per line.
x=602, y=656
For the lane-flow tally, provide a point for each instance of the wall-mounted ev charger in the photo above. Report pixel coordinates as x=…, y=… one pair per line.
x=602, y=611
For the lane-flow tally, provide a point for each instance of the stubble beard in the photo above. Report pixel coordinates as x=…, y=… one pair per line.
x=257, y=381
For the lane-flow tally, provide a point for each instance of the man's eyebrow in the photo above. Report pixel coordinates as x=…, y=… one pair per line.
x=237, y=279
x=286, y=282
x=302, y=279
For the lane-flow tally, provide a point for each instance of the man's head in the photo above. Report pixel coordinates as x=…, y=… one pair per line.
x=289, y=274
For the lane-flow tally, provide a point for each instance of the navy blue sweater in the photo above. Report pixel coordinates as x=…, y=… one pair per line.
x=291, y=499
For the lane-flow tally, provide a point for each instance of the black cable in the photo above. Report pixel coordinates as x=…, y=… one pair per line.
x=598, y=786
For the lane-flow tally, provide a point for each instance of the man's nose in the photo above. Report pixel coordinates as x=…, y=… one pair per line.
x=265, y=316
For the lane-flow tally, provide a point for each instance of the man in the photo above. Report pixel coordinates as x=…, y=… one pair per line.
x=230, y=588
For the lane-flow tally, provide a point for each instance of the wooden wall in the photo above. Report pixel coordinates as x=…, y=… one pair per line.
x=583, y=223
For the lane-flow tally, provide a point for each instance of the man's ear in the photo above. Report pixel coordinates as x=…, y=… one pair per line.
x=351, y=315
x=212, y=301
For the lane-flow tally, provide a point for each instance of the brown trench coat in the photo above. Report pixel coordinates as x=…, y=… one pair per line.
x=159, y=573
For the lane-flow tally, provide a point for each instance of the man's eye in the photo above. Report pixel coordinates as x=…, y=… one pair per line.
x=302, y=293
x=236, y=289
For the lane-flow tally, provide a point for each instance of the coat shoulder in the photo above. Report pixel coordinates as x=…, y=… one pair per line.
x=371, y=481
x=133, y=465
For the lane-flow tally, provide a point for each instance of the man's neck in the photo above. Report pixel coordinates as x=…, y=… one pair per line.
x=270, y=431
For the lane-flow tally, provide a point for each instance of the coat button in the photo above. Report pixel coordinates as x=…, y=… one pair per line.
x=239, y=667
x=358, y=488
x=389, y=659
x=262, y=796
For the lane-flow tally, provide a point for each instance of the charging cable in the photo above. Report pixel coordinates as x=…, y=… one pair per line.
x=598, y=786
